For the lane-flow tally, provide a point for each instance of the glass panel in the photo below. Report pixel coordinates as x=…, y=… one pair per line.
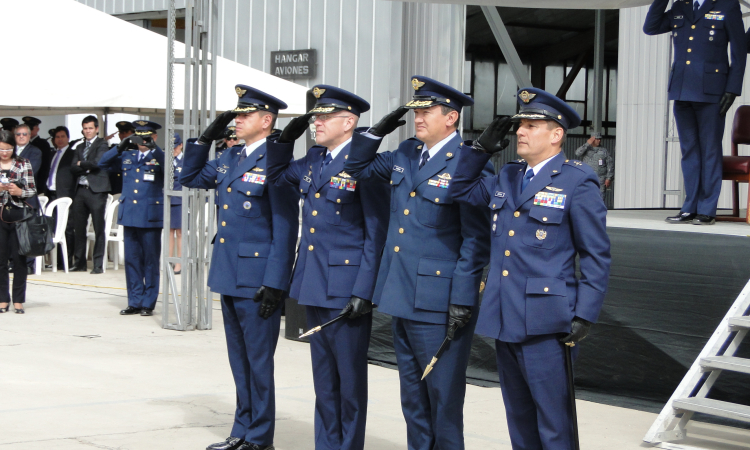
x=506, y=91
x=612, y=96
x=484, y=94
x=467, y=76
x=553, y=78
x=577, y=90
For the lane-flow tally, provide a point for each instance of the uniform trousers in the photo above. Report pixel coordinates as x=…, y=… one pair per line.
x=85, y=203
x=251, y=344
x=433, y=408
x=339, y=360
x=142, y=252
x=701, y=131
x=535, y=392
x=9, y=250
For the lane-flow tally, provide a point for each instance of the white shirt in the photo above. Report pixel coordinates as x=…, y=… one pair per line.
x=20, y=149
x=177, y=158
x=700, y=2
x=539, y=166
x=53, y=184
x=335, y=152
x=249, y=149
x=436, y=148
x=143, y=155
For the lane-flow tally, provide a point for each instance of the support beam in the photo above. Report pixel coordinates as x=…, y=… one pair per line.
x=570, y=78
x=599, y=39
x=520, y=73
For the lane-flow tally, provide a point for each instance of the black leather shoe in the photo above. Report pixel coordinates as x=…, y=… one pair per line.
x=129, y=311
x=251, y=446
x=231, y=443
x=682, y=217
x=702, y=219
x=79, y=269
x=97, y=270
x=147, y=312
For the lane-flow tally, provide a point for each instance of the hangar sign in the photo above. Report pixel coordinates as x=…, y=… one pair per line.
x=294, y=63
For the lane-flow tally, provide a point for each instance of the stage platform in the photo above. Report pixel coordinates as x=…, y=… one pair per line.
x=653, y=219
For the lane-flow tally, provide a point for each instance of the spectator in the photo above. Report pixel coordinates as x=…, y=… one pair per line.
x=8, y=123
x=28, y=151
x=599, y=159
x=61, y=183
x=91, y=194
x=16, y=184
x=175, y=211
x=40, y=175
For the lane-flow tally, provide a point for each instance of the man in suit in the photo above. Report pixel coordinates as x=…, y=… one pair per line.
x=141, y=213
x=61, y=183
x=252, y=257
x=344, y=223
x=92, y=188
x=27, y=150
x=42, y=144
x=546, y=211
x=703, y=85
x=433, y=259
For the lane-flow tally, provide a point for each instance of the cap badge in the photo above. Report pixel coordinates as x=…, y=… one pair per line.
x=416, y=84
x=317, y=92
x=240, y=92
x=526, y=97
x=142, y=123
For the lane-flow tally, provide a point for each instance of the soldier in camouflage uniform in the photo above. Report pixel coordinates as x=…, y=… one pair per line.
x=599, y=159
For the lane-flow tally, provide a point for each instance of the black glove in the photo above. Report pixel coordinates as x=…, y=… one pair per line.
x=216, y=129
x=579, y=329
x=271, y=298
x=295, y=129
x=492, y=139
x=726, y=102
x=357, y=307
x=389, y=122
x=459, y=316
x=129, y=143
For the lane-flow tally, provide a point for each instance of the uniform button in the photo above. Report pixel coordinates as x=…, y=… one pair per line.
x=221, y=240
x=312, y=230
x=401, y=231
x=396, y=249
x=511, y=233
x=391, y=181
x=137, y=181
x=516, y=214
x=137, y=170
x=310, y=248
x=135, y=191
x=717, y=70
x=437, y=273
x=317, y=195
x=338, y=200
x=256, y=253
x=494, y=218
x=505, y=273
x=546, y=289
x=346, y=261
x=229, y=189
x=507, y=252
x=437, y=200
x=494, y=226
x=693, y=27
x=412, y=194
x=135, y=201
x=223, y=224
x=493, y=205
x=406, y=212
x=226, y=206
x=301, y=190
x=691, y=38
x=315, y=213
x=248, y=192
x=690, y=50
x=544, y=219
x=688, y=63
x=157, y=203
x=338, y=212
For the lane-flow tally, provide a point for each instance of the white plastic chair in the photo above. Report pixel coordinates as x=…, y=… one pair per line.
x=43, y=200
x=112, y=233
x=63, y=208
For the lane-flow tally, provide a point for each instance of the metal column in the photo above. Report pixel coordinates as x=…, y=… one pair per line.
x=190, y=306
x=596, y=121
x=520, y=73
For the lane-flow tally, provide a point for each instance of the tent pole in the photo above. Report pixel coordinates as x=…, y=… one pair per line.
x=596, y=122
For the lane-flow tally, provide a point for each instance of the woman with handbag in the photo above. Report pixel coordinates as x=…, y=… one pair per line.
x=16, y=184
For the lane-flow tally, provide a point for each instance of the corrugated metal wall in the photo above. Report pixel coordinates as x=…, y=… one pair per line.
x=644, y=121
x=130, y=6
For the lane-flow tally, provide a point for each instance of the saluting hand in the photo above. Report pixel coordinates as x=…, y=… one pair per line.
x=579, y=329
x=357, y=307
x=295, y=129
x=459, y=316
x=389, y=122
x=129, y=143
x=492, y=139
x=216, y=129
x=271, y=298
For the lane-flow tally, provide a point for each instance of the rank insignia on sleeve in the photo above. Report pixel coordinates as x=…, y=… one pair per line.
x=253, y=178
x=341, y=183
x=398, y=169
x=500, y=194
x=550, y=200
x=541, y=235
x=554, y=189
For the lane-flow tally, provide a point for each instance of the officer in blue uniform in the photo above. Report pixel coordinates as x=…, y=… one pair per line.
x=433, y=258
x=175, y=205
x=546, y=210
x=344, y=223
x=252, y=257
x=703, y=85
x=141, y=212
x=124, y=129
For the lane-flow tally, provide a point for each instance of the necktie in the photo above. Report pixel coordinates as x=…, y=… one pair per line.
x=526, y=178
x=53, y=169
x=326, y=161
x=86, y=150
x=696, y=6
x=425, y=158
x=140, y=157
x=243, y=156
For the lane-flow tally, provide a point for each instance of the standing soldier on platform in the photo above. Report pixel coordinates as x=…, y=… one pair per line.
x=344, y=223
x=599, y=159
x=252, y=257
x=141, y=213
x=433, y=259
x=546, y=210
x=703, y=86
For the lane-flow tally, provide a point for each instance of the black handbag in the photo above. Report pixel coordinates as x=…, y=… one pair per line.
x=35, y=235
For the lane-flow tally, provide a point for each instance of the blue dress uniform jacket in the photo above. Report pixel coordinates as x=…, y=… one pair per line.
x=257, y=223
x=343, y=226
x=701, y=71
x=176, y=186
x=436, y=249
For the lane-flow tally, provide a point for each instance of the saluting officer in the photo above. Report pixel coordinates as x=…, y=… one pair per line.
x=141, y=212
x=599, y=159
x=124, y=129
x=344, y=223
x=433, y=259
x=703, y=85
x=546, y=210
x=252, y=257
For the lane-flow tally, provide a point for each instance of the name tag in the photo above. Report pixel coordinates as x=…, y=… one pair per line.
x=343, y=183
x=148, y=177
x=601, y=162
x=550, y=200
x=127, y=161
x=307, y=179
x=714, y=16
x=398, y=169
x=441, y=183
x=249, y=177
x=500, y=194
x=678, y=17
x=221, y=170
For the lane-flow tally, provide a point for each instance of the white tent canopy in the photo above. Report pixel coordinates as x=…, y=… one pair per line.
x=117, y=66
x=559, y=4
